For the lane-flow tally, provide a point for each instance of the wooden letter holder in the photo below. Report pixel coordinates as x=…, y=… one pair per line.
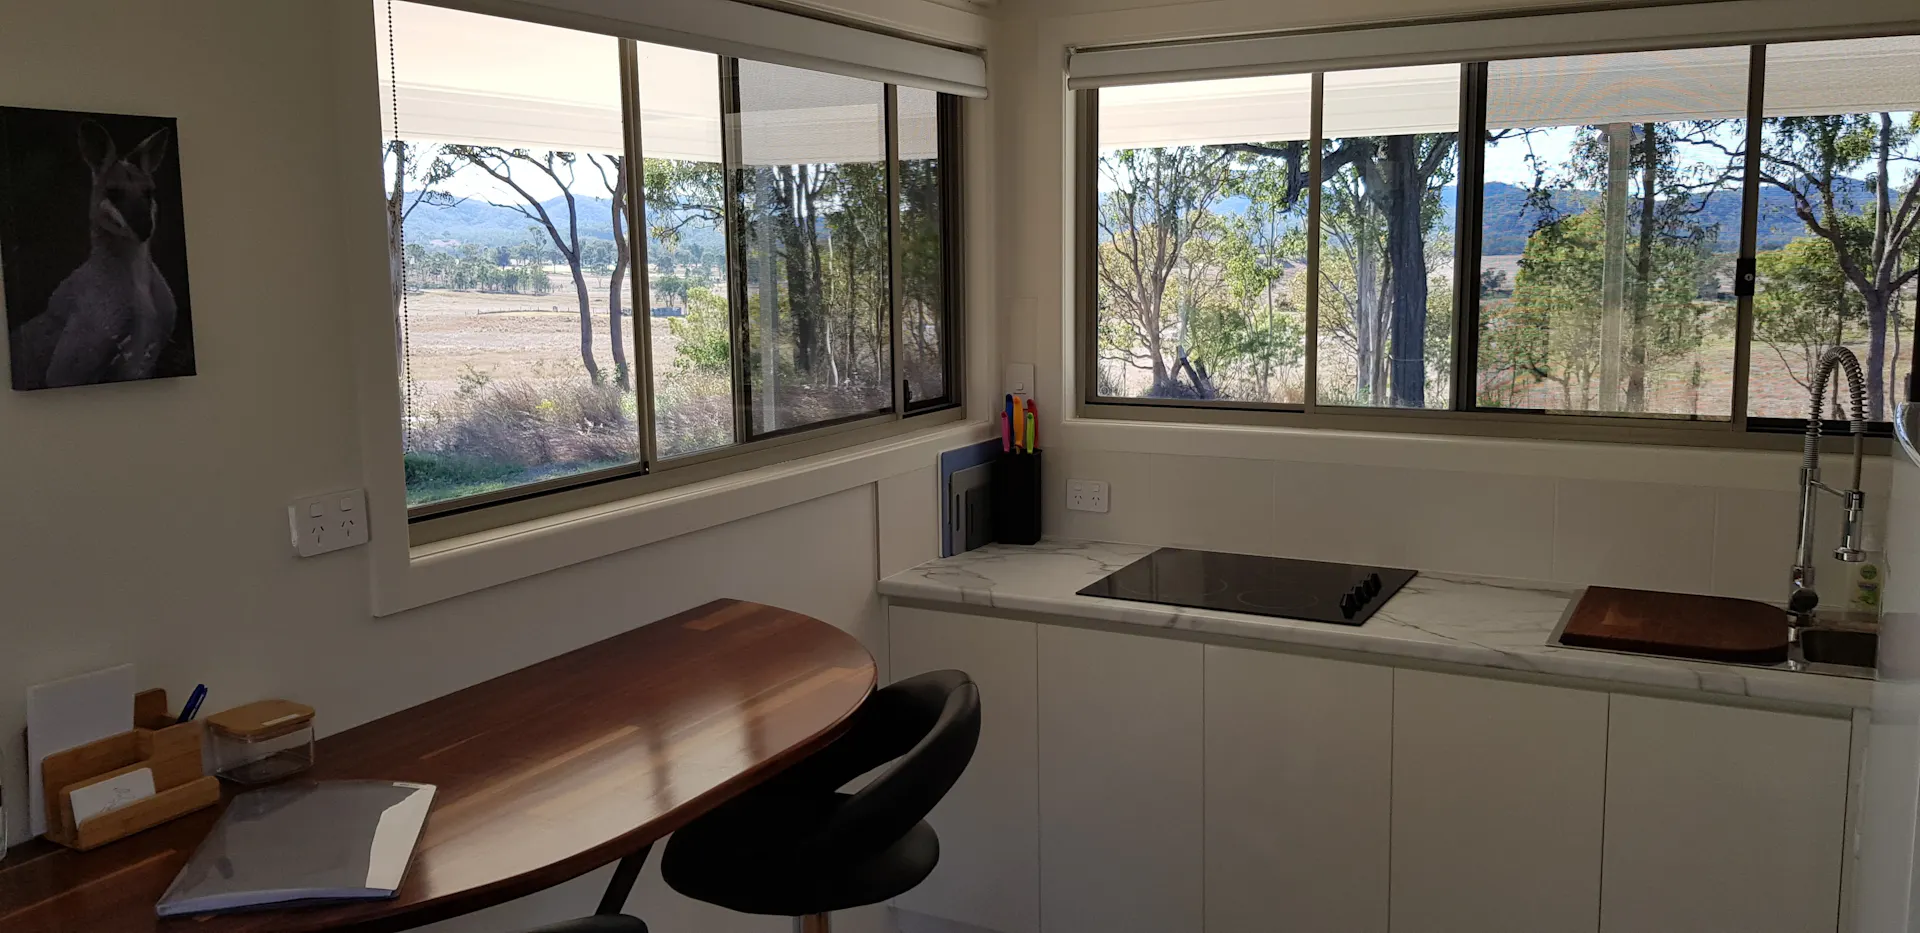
x=171, y=751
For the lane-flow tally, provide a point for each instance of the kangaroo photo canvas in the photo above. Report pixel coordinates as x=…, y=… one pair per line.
x=93, y=252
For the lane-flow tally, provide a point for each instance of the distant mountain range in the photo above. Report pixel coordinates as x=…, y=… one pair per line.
x=1508, y=219
x=489, y=225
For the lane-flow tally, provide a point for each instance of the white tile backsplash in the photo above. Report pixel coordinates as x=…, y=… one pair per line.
x=1753, y=545
x=1211, y=502
x=1669, y=536
x=1430, y=519
x=1648, y=535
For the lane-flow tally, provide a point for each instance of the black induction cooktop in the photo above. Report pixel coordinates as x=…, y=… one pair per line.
x=1311, y=590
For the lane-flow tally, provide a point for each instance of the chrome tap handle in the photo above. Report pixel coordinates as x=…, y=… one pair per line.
x=1850, y=549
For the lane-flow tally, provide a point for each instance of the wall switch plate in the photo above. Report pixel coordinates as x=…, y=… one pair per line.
x=1020, y=379
x=1086, y=495
x=328, y=522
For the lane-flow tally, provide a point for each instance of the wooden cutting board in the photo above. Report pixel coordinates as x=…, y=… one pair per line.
x=1680, y=625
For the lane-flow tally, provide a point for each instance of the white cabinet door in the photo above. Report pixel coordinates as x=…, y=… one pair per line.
x=989, y=871
x=1299, y=755
x=1723, y=820
x=1497, y=796
x=1120, y=787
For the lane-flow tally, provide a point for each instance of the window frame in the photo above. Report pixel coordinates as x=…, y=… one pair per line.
x=1463, y=415
x=953, y=288
x=439, y=521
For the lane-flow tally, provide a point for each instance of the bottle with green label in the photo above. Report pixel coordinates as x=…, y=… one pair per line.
x=1868, y=577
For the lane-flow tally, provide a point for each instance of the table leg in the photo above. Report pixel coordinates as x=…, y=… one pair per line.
x=624, y=875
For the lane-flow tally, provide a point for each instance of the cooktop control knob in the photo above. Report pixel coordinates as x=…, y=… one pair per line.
x=1349, y=605
x=1373, y=584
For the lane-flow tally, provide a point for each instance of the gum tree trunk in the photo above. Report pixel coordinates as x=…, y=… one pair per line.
x=1407, y=264
x=622, y=257
x=1613, y=283
x=1366, y=323
x=1643, y=282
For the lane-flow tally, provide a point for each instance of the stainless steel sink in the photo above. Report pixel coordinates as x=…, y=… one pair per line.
x=1826, y=649
x=1842, y=647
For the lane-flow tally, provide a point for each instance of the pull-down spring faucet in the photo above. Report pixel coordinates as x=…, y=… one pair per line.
x=1803, y=600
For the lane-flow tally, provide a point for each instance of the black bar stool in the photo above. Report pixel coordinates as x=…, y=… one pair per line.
x=797, y=847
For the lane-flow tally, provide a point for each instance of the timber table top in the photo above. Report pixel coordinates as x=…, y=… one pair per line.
x=544, y=774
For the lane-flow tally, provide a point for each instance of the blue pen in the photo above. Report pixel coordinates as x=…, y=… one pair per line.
x=192, y=707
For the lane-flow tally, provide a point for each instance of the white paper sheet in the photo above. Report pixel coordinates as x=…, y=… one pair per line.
x=69, y=713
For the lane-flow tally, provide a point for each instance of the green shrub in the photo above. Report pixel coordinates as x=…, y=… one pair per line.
x=703, y=335
x=496, y=433
x=432, y=477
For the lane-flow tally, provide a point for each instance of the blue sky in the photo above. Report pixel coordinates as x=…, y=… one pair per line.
x=1506, y=160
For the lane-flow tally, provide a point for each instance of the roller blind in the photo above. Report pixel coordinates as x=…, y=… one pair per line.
x=450, y=76
x=1277, y=108
x=1812, y=78
x=790, y=116
x=725, y=27
x=1692, y=25
x=455, y=77
x=1634, y=87
x=1200, y=113
x=1392, y=101
x=1803, y=78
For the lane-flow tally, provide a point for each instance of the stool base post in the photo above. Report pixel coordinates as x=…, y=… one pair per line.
x=812, y=923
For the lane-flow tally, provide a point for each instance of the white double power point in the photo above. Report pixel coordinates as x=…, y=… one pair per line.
x=328, y=522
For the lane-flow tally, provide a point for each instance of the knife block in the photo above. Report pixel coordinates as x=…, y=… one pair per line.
x=1016, y=498
x=171, y=752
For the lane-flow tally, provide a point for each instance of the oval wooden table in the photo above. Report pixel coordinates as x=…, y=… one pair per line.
x=544, y=774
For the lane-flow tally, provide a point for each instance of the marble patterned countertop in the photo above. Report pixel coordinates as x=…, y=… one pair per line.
x=1448, y=618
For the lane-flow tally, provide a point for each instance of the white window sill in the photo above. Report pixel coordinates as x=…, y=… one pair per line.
x=407, y=577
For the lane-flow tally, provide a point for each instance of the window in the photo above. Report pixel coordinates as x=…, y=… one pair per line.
x=1839, y=223
x=1201, y=240
x=1547, y=241
x=685, y=218
x=515, y=367
x=1391, y=141
x=613, y=258
x=810, y=198
x=1610, y=223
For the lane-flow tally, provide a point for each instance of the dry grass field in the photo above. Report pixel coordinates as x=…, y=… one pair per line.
x=499, y=395
x=451, y=332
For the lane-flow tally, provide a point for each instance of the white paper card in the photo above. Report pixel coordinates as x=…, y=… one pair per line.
x=111, y=794
x=69, y=713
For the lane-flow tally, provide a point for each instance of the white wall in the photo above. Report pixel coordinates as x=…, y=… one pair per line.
x=146, y=523
x=1728, y=540
x=1697, y=520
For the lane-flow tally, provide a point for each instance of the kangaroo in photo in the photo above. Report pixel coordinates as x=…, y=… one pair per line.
x=112, y=317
